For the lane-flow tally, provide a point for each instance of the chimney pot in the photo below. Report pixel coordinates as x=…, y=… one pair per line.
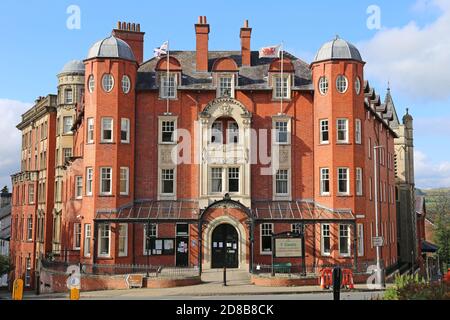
x=118, y=25
x=138, y=27
x=246, y=24
x=133, y=26
x=128, y=26
x=204, y=20
x=124, y=25
x=200, y=19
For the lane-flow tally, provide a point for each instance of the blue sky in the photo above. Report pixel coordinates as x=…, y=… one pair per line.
x=405, y=51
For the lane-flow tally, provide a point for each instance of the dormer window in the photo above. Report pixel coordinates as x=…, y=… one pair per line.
x=225, y=86
x=168, y=86
x=281, y=88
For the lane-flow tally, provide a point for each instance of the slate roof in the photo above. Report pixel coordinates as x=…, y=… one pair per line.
x=337, y=49
x=252, y=77
x=111, y=47
x=389, y=102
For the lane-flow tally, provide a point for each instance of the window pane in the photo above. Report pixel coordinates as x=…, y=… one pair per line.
x=281, y=131
x=233, y=179
x=324, y=135
x=124, y=130
x=168, y=128
x=216, y=179
x=225, y=86
x=281, y=182
x=233, y=132
x=217, y=132
x=167, y=180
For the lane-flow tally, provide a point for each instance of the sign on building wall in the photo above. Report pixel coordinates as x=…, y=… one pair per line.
x=288, y=248
x=377, y=241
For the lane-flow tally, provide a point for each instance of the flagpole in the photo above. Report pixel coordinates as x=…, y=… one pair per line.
x=168, y=79
x=282, y=80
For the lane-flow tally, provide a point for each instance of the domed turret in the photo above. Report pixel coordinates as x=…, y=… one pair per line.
x=111, y=47
x=73, y=66
x=338, y=49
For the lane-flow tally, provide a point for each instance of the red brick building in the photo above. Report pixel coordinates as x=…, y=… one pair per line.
x=177, y=158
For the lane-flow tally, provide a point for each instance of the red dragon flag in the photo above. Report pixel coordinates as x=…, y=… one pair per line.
x=270, y=52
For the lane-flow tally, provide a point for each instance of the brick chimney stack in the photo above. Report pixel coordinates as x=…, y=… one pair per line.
x=131, y=34
x=246, y=34
x=202, y=36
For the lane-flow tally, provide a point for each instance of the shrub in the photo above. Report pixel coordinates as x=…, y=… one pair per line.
x=410, y=287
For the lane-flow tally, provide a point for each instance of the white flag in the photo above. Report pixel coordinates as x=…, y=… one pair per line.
x=270, y=52
x=161, y=50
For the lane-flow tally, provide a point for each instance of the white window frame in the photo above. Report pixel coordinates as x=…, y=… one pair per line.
x=324, y=123
x=87, y=240
x=101, y=227
x=322, y=181
x=281, y=127
x=124, y=252
x=125, y=170
x=29, y=228
x=78, y=187
x=31, y=193
x=90, y=130
x=154, y=227
x=359, y=181
x=264, y=232
x=232, y=133
x=91, y=83
x=339, y=129
x=106, y=192
x=165, y=93
x=323, y=85
x=76, y=236
x=126, y=84
x=68, y=99
x=67, y=153
x=357, y=86
x=108, y=82
x=369, y=144
x=27, y=272
x=174, y=179
x=221, y=89
x=286, y=178
x=212, y=175
x=67, y=127
x=360, y=228
x=358, y=131
x=89, y=180
x=341, y=80
x=217, y=132
x=232, y=172
x=287, y=88
x=322, y=239
x=348, y=231
x=125, y=122
x=103, y=140
x=339, y=179
x=164, y=123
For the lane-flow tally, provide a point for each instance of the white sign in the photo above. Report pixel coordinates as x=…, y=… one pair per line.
x=377, y=241
x=288, y=247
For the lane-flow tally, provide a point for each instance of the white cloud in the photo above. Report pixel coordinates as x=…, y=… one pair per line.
x=10, y=115
x=415, y=59
x=429, y=174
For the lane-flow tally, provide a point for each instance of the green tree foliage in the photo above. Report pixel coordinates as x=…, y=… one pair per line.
x=5, y=266
x=442, y=231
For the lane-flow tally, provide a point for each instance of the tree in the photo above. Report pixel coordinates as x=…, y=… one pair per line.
x=5, y=266
x=4, y=190
x=442, y=231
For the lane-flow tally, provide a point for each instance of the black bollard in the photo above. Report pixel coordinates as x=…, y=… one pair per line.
x=337, y=276
x=225, y=275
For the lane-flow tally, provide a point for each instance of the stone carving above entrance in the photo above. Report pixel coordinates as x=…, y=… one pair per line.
x=226, y=106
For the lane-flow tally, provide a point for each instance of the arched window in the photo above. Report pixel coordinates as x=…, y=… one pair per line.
x=225, y=130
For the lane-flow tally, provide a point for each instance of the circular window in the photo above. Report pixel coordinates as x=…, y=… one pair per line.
x=108, y=82
x=323, y=85
x=126, y=84
x=91, y=83
x=358, y=85
x=341, y=84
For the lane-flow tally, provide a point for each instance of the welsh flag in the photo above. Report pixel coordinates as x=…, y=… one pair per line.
x=270, y=52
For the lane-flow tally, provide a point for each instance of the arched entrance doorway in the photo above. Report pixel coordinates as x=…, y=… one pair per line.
x=225, y=247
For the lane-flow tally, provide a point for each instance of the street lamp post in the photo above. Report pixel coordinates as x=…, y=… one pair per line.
x=147, y=240
x=379, y=278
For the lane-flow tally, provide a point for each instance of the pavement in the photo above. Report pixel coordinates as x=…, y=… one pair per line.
x=238, y=285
